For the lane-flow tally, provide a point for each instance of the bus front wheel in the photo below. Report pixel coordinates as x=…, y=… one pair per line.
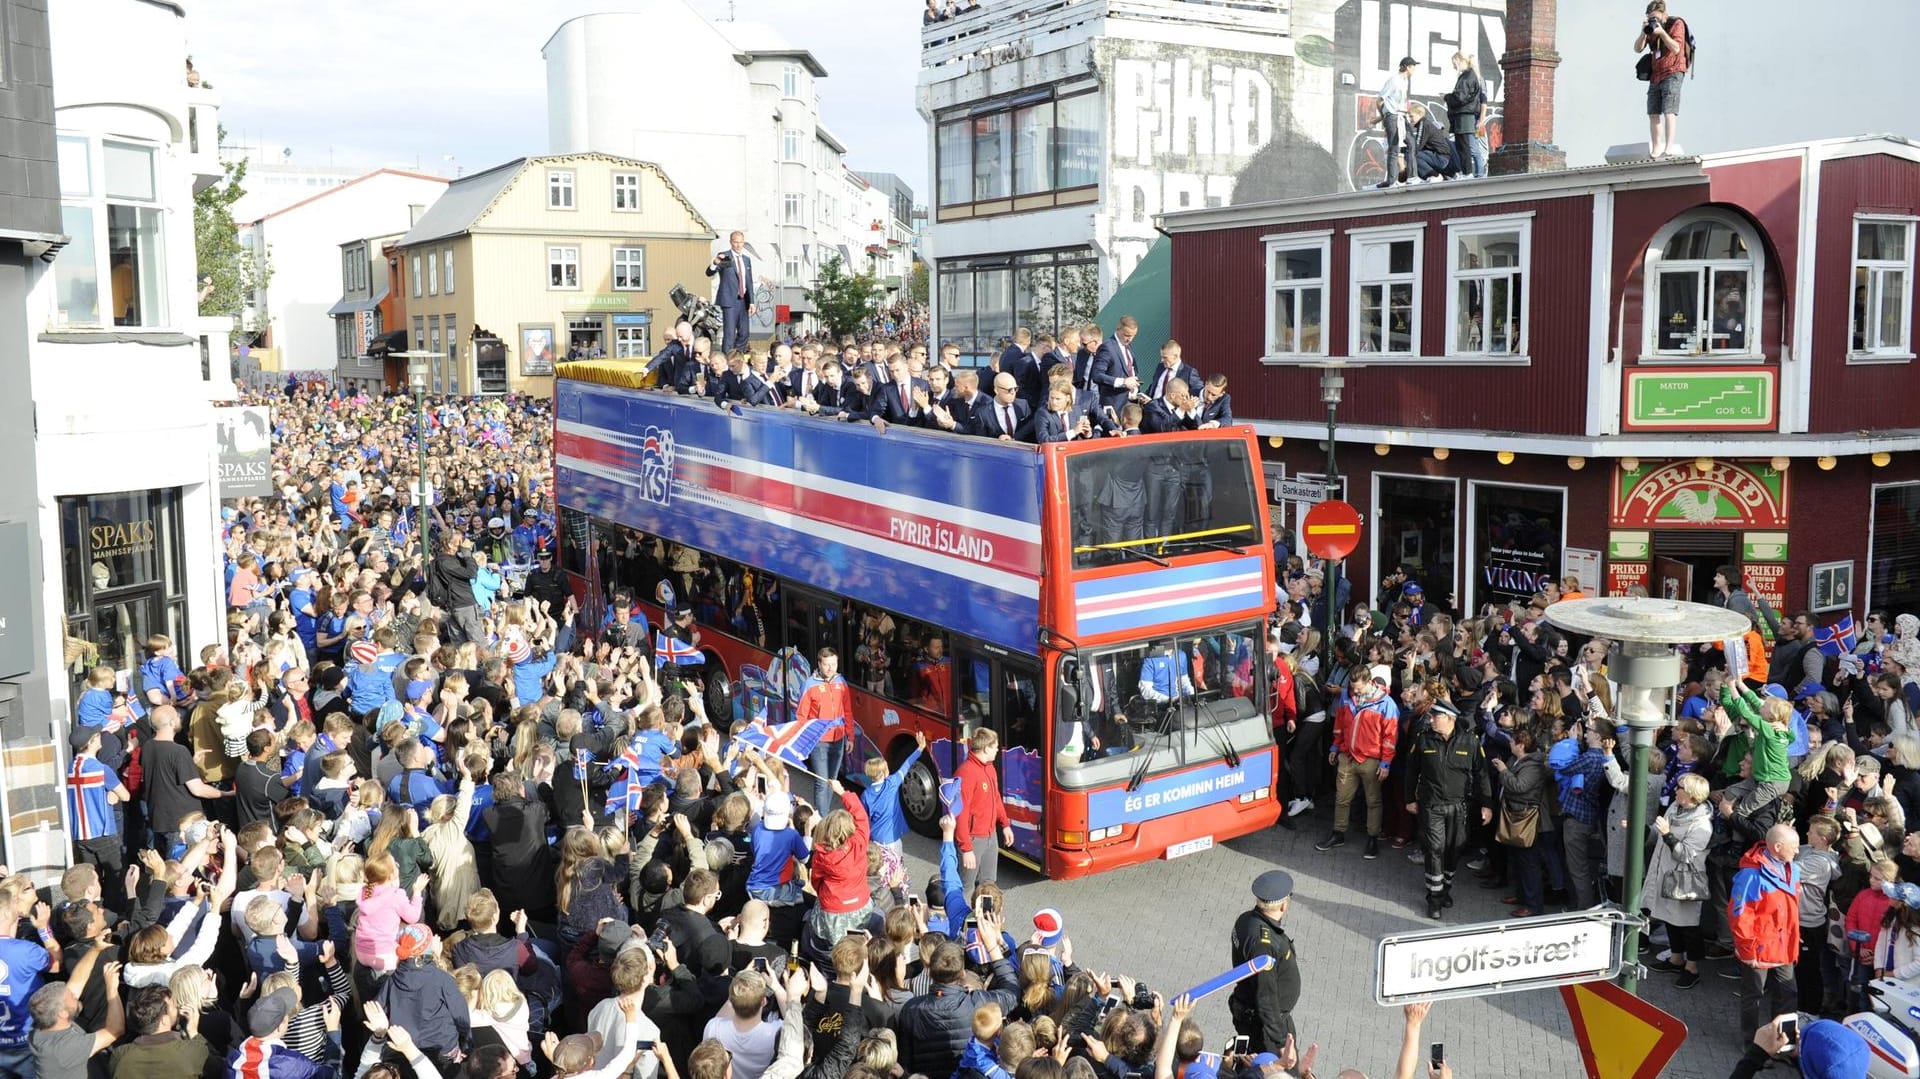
x=920, y=798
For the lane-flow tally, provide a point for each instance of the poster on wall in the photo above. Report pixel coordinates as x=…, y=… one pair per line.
x=1517, y=533
x=1830, y=586
x=244, y=439
x=536, y=351
x=1768, y=581
x=1624, y=577
x=1583, y=564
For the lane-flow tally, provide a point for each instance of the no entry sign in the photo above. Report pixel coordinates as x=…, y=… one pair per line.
x=1331, y=530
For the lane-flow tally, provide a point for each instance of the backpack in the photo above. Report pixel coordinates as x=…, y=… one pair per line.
x=437, y=593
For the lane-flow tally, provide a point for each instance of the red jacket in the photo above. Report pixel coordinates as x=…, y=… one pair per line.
x=829, y=701
x=840, y=876
x=1366, y=732
x=1864, y=916
x=981, y=808
x=1286, y=705
x=1764, y=910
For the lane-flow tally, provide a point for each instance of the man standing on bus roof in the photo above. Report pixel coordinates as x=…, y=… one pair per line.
x=826, y=697
x=1113, y=371
x=1262, y=1006
x=981, y=810
x=734, y=290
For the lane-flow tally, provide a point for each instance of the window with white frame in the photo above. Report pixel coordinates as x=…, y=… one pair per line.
x=415, y=265
x=790, y=81
x=559, y=189
x=629, y=269
x=114, y=259
x=453, y=341
x=1882, y=323
x=794, y=206
x=1703, y=281
x=1486, y=287
x=629, y=341
x=790, y=143
x=791, y=271
x=446, y=273
x=433, y=332
x=1385, y=317
x=347, y=258
x=626, y=192
x=563, y=267
x=433, y=272
x=1297, y=294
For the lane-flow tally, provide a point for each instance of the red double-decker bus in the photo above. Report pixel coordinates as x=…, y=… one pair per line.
x=1100, y=605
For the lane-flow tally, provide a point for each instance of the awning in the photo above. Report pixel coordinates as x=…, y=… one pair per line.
x=1147, y=295
x=352, y=307
x=386, y=343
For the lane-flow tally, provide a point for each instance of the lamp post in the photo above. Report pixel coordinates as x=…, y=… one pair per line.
x=1646, y=668
x=417, y=367
x=1333, y=380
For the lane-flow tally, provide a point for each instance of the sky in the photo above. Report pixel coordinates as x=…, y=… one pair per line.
x=332, y=80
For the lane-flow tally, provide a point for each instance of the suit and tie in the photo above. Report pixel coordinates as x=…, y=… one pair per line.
x=1160, y=417
x=857, y=406
x=1112, y=365
x=734, y=293
x=897, y=404
x=827, y=397
x=1050, y=426
x=1185, y=373
x=1052, y=360
x=1019, y=363
x=756, y=390
x=1220, y=412
x=997, y=418
x=800, y=382
x=1082, y=366
x=966, y=414
x=676, y=366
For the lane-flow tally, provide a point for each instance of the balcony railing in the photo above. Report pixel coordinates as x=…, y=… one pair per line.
x=1002, y=30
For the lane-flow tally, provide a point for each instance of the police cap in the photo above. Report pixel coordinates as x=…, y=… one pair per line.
x=1273, y=886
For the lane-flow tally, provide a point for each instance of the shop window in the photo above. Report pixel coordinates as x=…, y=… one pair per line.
x=1486, y=277
x=122, y=571
x=1386, y=292
x=1416, y=530
x=1893, y=553
x=1297, y=294
x=1882, y=318
x=1704, y=281
x=1516, y=536
x=630, y=339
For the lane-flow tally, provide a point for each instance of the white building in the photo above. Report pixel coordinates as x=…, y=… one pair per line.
x=301, y=243
x=735, y=120
x=125, y=371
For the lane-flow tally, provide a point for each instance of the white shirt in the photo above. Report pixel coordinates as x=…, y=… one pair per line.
x=752, y=1048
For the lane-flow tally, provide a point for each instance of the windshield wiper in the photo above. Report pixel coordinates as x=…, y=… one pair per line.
x=1212, y=544
x=1142, y=551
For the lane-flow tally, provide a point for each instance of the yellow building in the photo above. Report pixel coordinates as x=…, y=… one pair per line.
x=517, y=267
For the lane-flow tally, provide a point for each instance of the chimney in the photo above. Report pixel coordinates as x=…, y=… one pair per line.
x=1528, y=67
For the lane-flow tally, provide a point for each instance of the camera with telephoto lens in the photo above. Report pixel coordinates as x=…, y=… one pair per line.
x=1142, y=997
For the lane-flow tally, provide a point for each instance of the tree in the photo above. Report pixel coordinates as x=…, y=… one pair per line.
x=846, y=303
x=229, y=272
x=918, y=285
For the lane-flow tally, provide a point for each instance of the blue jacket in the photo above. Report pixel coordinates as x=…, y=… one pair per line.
x=529, y=675
x=882, y=799
x=1160, y=673
x=773, y=851
x=370, y=685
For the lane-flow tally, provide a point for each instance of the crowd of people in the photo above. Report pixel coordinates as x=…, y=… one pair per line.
x=1779, y=852
x=424, y=815
x=1039, y=388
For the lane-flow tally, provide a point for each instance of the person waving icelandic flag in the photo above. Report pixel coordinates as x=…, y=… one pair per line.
x=793, y=742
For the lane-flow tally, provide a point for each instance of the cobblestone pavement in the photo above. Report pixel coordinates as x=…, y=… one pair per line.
x=1167, y=923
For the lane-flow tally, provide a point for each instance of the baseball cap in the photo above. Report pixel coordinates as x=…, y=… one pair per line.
x=778, y=811
x=418, y=687
x=1051, y=927
x=1412, y=588
x=613, y=936
x=81, y=735
x=413, y=941
x=1774, y=689
x=271, y=1011
x=529, y=513
x=1809, y=688
x=496, y=522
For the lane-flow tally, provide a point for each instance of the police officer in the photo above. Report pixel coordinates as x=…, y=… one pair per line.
x=1449, y=782
x=1262, y=1006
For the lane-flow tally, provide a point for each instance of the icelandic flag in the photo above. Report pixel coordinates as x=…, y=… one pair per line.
x=791, y=742
x=581, y=758
x=645, y=758
x=950, y=796
x=624, y=795
x=1837, y=639
x=674, y=650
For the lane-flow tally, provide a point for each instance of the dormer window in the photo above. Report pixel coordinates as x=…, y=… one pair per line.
x=1703, y=286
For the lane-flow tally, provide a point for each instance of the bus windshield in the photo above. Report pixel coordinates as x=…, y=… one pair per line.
x=1178, y=699
x=1142, y=500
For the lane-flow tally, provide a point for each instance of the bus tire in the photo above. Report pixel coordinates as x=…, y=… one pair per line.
x=718, y=693
x=920, y=798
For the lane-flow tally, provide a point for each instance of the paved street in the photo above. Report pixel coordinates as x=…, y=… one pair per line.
x=1167, y=923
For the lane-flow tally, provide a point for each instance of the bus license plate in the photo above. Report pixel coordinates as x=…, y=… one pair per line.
x=1190, y=846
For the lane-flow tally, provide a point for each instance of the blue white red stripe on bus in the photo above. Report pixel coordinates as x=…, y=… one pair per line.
x=1111, y=604
x=994, y=606
x=1004, y=545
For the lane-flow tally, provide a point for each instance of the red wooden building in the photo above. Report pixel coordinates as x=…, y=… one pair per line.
x=1630, y=373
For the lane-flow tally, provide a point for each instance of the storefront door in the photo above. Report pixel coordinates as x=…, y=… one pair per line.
x=1675, y=578
x=1417, y=516
x=122, y=624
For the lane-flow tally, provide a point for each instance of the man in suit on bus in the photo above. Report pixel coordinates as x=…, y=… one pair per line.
x=1113, y=371
x=1216, y=406
x=1019, y=361
x=676, y=366
x=734, y=290
x=1172, y=370
x=1006, y=416
x=904, y=399
x=825, y=398
x=858, y=402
